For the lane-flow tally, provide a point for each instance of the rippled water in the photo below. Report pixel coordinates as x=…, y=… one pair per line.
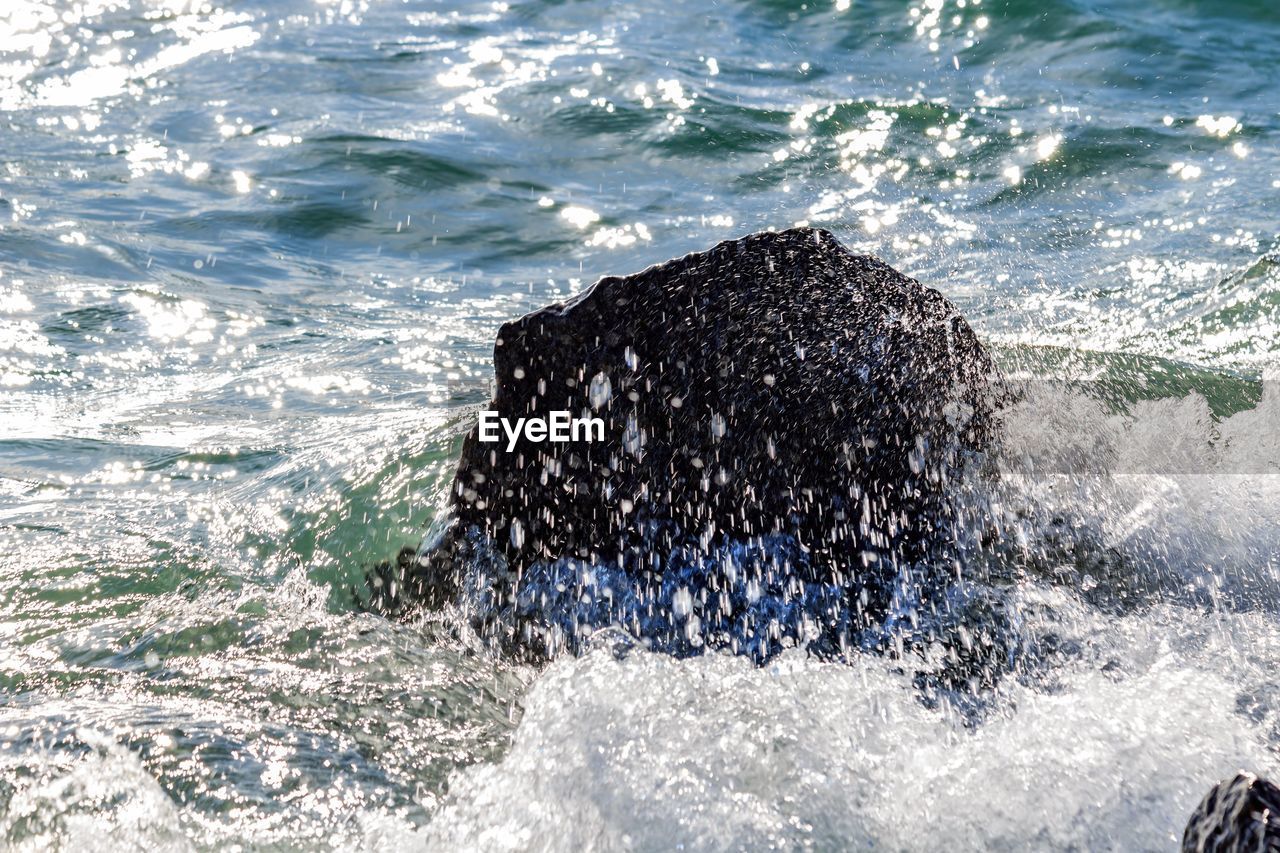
x=252, y=258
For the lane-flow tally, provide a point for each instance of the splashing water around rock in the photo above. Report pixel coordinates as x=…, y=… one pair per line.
x=783, y=422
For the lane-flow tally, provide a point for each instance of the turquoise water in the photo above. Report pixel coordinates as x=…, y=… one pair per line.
x=252, y=259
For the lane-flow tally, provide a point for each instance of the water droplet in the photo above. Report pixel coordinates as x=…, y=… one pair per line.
x=601, y=390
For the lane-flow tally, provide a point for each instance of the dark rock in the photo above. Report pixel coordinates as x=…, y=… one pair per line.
x=782, y=420
x=1237, y=815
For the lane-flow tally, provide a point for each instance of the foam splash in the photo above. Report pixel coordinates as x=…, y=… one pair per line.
x=97, y=797
x=1161, y=498
x=713, y=753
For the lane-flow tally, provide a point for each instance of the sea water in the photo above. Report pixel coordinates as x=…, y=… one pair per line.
x=252, y=259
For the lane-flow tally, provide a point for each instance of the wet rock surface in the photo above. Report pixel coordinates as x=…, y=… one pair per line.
x=1238, y=815
x=782, y=420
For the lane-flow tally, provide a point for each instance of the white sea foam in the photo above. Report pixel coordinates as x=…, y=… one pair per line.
x=103, y=799
x=1162, y=495
x=713, y=753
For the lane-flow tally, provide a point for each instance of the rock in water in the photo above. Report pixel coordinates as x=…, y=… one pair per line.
x=1239, y=815
x=781, y=421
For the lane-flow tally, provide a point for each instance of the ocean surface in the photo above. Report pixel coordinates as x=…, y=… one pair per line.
x=253, y=255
